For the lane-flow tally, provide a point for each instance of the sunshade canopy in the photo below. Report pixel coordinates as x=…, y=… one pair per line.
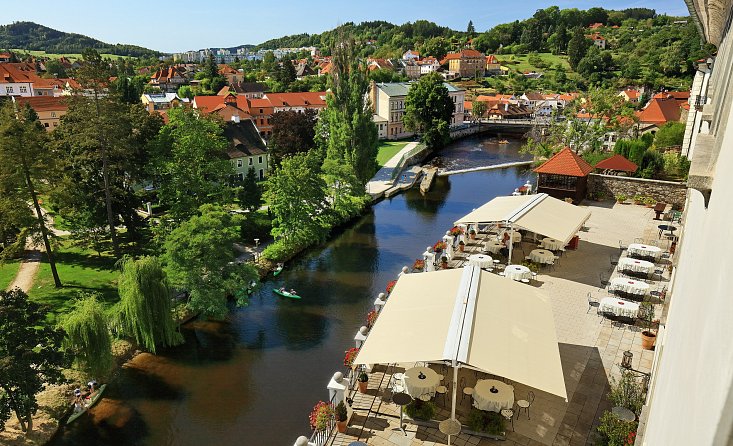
x=538, y=213
x=476, y=318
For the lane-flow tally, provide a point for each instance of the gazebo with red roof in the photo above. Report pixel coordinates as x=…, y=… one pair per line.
x=565, y=175
x=616, y=164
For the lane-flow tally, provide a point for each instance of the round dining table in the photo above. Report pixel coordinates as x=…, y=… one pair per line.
x=541, y=256
x=619, y=307
x=493, y=246
x=516, y=237
x=644, y=250
x=635, y=265
x=420, y=381
x=517, y=272
x=629, y=286
x=552, y=244
x=481, y=260
x=502, y=396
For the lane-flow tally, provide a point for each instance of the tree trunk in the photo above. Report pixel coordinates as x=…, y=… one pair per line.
x=41, y=223
x=16, y=409
x=105, y=175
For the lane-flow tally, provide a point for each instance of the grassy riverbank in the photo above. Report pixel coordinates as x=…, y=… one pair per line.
x=8, y=270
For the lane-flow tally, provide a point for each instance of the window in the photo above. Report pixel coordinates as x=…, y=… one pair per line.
x=262, y=174
x=23, y=89
x=53, y=114
x=250, y=161
x=259, y=159
x=45, y=124
x=240, y=163
x=261, y=111
x=8, y=89
x=240, y=176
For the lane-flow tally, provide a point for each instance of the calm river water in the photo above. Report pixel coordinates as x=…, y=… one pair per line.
x=252, y=379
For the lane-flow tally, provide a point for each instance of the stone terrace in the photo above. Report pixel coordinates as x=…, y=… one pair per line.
x=590, y=347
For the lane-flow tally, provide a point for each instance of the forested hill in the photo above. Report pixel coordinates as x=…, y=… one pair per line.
x=35, y=37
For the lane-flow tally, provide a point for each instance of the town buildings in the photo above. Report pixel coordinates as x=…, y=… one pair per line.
x=466, y=63
x=49, y=109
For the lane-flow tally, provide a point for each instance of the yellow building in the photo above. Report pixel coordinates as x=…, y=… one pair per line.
x=48, y=108
x=467, y=63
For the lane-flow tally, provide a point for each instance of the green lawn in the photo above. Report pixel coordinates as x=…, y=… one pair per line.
x=8, y=270
x=520, y=62
x=70, y=56
x=388, y=149
x=80, y=271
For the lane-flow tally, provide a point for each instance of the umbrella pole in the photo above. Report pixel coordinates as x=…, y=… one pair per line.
x=511, y=244
x=455, y=384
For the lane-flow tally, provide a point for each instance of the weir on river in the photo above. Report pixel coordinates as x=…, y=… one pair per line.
x=253, y=378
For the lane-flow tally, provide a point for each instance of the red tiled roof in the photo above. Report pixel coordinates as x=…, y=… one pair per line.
x=679, y=95
x=631, y=93
x=491, y=59
x=595, y=25
x=566, y=162
x=660, y=111
x=617, y=162
x=298, y=99
x=44, y=103
x=461, y=54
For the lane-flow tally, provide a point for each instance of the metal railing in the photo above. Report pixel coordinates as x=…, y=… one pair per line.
x=320, y=437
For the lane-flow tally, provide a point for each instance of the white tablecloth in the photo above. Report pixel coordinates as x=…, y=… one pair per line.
x=481, y=260
x=645, y=250
x=552, y=244
x=619, y=307
x=483, y=399
x=416, y=387
x=628, y=286
x=517, y=272
x=493, y=246
x=541, y=256
x=637, y=266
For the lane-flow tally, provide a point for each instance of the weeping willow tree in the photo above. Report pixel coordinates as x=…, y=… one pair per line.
x=88, y=335
x=145, y=304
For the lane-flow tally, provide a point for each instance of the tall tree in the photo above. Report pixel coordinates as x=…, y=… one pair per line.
x=145, y=304
x=249, y=192
x=577, y=47
x=347, y=133
x=88, y=336
x=470, y=30
x=478, y=110
x=199, y=258
x=429, y=110
x=25, y=161
x=292, y=132
x=191, y=167
x=30, y=356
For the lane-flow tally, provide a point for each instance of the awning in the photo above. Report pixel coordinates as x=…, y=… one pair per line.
x=538, y=213
x=476, y=318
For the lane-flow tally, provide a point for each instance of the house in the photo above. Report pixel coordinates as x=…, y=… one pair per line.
x=631, y=95
x=5, y=56
x=381, y=124
x=411, y=55
x=49, y=109
x=493, y=66
x=303, y=69
x=411, y=69
x=509, y=111
x=379, y=64
x=531, y=99
x=17, y=80
x=616, y=165
x=467, y=63
x=249, y=90
x=657, y=113
x=168, y=79
x=388, y=103
x=595, y=25
x=232, y=76
x=428, y=65
x=246, y=148
x=598, y=40
x=162, y=101
x=682, y=97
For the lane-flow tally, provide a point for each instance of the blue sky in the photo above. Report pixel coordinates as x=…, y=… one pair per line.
x=194, y=24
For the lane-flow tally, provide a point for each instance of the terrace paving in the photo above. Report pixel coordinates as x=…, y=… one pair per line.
x=590, y=349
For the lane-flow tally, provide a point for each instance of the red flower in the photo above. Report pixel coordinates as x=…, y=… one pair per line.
x=371, y=317
x=391, y=285
x=350, y=356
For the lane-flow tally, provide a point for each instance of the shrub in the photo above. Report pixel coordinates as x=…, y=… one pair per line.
x=488, y=422
x=421, y=410
x=341, y=414
x=627, y=392
x=615, y=432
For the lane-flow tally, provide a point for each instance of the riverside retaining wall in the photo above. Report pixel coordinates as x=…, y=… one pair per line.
x=608, y=186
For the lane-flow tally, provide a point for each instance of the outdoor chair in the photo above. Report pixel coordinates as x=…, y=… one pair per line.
x=604, y=281
x=442, y=390
x=659, y=293
x=508, y=415
x=659, y=272
x=593, y=302
x=525, y=404
x=621, y=248
x=465, y=390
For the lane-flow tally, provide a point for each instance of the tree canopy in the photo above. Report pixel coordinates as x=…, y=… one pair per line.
x=429, y=110
x=88, y=336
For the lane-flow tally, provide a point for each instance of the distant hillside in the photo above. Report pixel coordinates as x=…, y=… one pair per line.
x=32, y=36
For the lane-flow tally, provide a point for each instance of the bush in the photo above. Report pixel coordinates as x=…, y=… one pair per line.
x=421, y=410
x=615, y=432
x=486, y=421
x=627, y=392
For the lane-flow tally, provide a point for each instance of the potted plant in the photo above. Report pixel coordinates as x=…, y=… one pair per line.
x=371, y=318
x=650, y=202
x=363, y=381
x=444, y=262
x=621, y=198
x=472, y=234
x=321, y=416
x=419, y=265
x=349, y=356
x=455, y=231
x=461, y=246
x=638, y=199
x=390, y=286
x=438, y=247
x=646, y=314
x=341, y=417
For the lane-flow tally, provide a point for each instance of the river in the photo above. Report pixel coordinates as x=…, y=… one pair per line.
x=253, y=378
